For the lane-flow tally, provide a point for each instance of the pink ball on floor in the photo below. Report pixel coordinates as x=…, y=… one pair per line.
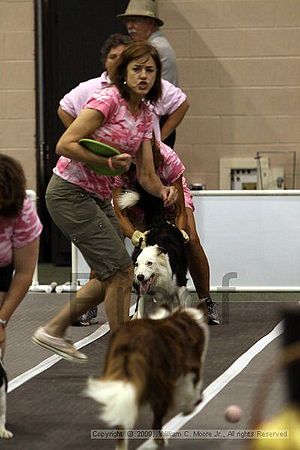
x=233, y=413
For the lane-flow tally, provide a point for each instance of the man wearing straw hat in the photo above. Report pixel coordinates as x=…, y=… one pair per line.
x=142, y=23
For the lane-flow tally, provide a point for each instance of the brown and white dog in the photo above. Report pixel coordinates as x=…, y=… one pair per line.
x=154, y=362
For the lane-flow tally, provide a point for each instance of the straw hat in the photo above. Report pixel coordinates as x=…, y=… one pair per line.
x=144, y=8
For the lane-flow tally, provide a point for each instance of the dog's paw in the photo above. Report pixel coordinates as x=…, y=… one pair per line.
x=190, y=407
x=162, y=442
x=5, y=434
x=200, y=400
x=135, y=316
x=188, y=410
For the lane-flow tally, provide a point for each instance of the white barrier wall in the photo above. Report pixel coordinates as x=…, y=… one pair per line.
x=36, y=287
x=251, y=238
x=254, y=234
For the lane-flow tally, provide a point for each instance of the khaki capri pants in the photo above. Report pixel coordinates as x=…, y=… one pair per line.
x=90, y=223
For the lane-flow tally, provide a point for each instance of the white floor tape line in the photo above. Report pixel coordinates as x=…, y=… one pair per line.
x=49, y=362
x=177, y=422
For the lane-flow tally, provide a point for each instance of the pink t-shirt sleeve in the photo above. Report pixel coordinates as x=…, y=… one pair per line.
x=68, y=105
x=172, y=97
x=27, y=226
x=105, y=101
x=74, y=101
x=173, y=167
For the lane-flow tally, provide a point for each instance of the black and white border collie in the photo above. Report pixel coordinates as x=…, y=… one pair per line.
x=152, y=362
x=160, y=261
x=4, y=433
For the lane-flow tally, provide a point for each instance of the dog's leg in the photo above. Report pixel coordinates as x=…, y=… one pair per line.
x=4, y=433
x=141, y=308
x=198, y=394
x=199, y=388
x=186, y=393
x=122, y=443
x=145, y=304
x=183, y=296
x=159, y=411
x=136, y=312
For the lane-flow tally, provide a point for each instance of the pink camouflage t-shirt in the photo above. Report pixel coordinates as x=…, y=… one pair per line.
x=169, y=171
x=120, y=129
x=171, y=98
x=18, y=232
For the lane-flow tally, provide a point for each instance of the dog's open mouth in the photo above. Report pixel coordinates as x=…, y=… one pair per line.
x=146, y=285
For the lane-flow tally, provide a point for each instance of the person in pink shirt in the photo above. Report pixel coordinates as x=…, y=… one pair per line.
x=172, y=104
x=170, y=170
x=20, y=228
x=79, y=199
x=74, y=101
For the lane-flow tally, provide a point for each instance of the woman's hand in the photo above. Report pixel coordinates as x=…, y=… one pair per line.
x=121, y=161
x=169, y=195
x=25, y=259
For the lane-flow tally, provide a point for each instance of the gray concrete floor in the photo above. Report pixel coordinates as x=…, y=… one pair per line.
x=49, y=411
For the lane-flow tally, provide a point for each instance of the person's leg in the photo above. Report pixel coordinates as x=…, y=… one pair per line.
x=198, y=263
x=115, y=292
x=199, y=268
x=2, y=345
x=6, y=274
x=89, y=295
x=89, y=318
x=4, y=432
x=117, y=297
x=85, y=220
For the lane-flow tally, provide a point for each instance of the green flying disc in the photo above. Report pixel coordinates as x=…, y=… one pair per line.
x=103, y=150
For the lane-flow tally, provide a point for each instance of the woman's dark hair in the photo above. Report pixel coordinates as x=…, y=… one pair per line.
x=137, y=50
x=12, y=186
x=113, y=41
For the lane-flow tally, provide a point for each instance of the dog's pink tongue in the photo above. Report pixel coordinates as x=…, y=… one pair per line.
x=145, y=286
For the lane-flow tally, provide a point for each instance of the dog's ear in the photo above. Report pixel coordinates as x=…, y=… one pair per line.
x=135, y=254
x=161, y=250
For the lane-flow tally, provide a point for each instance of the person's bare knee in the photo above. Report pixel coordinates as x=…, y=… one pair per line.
x=117, y=298
x=123, y=277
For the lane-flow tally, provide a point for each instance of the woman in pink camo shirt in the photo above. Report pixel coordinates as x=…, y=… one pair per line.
x=172, y=103
x=20, y=229
x=79, y=200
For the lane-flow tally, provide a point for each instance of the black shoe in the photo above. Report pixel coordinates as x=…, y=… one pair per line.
x=213, y=316
x=89, y=318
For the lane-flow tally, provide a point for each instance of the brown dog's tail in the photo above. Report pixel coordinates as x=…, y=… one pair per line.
x=120, y=390
x=118, y=401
